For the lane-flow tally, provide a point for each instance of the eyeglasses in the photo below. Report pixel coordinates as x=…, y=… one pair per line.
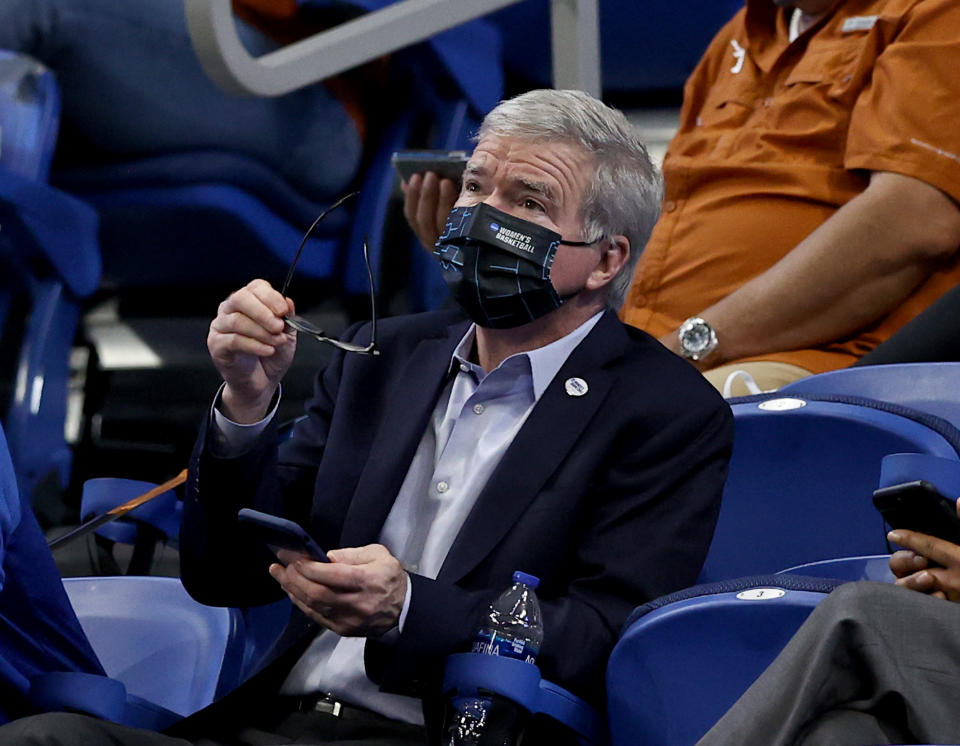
x=300, y=324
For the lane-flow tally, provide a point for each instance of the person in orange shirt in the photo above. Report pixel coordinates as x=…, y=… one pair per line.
x=811, y=189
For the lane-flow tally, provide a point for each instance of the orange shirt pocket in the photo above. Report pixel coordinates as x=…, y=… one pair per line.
x=830, y=66
x=815, y=102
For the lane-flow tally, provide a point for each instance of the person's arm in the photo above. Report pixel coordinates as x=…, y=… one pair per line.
x=853, y=270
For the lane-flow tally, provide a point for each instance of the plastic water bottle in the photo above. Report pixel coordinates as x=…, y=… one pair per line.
x=513, y=628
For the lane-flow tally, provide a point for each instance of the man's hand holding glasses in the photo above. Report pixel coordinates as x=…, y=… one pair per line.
x=252, y=348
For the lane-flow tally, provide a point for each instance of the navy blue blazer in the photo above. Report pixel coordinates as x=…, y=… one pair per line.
x=609, y=498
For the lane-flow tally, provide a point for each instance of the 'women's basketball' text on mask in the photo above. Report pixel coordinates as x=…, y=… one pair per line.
x=497, y=266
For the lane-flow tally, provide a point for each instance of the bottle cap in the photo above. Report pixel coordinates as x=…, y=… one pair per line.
x=521, y=577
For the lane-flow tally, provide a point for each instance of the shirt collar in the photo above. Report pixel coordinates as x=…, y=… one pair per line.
x=544, y=361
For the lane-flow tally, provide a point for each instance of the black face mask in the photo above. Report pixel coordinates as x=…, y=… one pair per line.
x=497, y=266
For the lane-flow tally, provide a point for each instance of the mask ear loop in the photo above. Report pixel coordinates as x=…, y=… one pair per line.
x=583, y=243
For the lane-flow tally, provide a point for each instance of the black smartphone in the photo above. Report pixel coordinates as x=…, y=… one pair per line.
x=919, y=506
x=279, y=533
x=447, y=164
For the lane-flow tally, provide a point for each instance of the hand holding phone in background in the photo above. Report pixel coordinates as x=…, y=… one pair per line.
x=430, y=184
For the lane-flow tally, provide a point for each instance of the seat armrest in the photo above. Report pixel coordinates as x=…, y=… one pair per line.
x=73, y=691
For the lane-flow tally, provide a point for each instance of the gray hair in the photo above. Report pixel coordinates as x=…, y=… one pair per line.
x=624, y=195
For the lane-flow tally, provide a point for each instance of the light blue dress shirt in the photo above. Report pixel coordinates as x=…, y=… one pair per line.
x=474, y=422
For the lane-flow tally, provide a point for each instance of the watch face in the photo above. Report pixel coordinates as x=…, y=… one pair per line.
x=697, y=338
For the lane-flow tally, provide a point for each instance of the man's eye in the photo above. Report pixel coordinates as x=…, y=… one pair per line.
x=471, y=186
x=529, y=204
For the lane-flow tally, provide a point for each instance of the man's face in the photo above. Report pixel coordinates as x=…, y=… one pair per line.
x=542, y=183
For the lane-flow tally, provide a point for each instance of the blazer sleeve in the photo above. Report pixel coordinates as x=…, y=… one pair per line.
x=221, y=562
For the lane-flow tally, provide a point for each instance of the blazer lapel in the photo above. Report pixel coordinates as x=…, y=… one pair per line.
x=402, y=425
x=551, y=430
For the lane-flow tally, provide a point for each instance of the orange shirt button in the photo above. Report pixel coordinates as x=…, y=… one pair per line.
x=669, y=206
x=768, y=102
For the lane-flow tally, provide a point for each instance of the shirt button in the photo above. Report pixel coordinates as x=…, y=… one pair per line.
x=464, y=368
x=768, y=102
x=478, y=409
x=442, y=487
x=669, y=206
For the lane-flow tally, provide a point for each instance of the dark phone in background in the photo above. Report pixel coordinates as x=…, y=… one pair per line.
x=447, y=164
x=919, y=506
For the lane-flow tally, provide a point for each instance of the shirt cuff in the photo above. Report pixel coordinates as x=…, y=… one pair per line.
x=406, y=604
x=232, y=438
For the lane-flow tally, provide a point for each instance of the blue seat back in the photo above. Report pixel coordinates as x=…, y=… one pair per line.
x=101, y=495
x=161, y=644
x=49, y=260
x=927, y=387
x=801, y=480
x=29, y=115
x=682, y=660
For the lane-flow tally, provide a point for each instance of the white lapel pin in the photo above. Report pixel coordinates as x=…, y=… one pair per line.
x=575, y=387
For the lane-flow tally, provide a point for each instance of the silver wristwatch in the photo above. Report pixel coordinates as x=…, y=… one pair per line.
x=697, y=338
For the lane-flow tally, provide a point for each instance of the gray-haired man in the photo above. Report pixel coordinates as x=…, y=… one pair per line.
x=540, y=434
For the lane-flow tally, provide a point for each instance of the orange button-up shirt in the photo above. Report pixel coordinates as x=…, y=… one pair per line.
x=775, y=136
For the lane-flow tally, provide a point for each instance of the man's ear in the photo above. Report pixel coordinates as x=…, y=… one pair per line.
x=614, y=255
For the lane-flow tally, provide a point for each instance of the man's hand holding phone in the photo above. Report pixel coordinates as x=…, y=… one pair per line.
x=358, y=593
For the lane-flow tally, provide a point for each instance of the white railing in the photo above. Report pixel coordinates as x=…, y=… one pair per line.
x=574, y=30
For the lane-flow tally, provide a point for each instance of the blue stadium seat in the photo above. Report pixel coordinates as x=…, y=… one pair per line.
x=897, y=468
x=927, y=387
x=683, y=659
x=143, y=528
x=49, y=262
x=172, y=654
x=874, y=567
x=802, y=477
x=39, y=633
